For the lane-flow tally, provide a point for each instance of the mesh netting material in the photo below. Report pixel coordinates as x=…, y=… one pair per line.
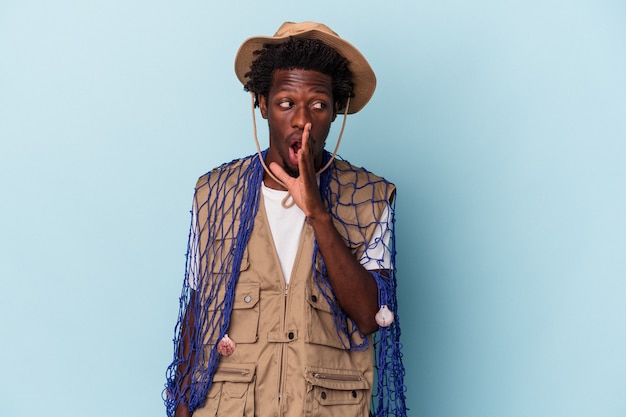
x=234, y=191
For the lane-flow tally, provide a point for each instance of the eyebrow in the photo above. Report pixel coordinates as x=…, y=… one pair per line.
x=316, y=90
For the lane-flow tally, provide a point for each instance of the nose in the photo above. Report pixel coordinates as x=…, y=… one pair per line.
x=301, y=117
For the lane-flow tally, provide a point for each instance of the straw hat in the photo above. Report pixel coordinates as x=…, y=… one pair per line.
x=362, y=74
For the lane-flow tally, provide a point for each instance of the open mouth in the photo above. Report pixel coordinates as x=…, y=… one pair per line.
x=294, y=150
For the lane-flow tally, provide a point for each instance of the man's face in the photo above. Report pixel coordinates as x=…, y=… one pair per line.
x=297, y=97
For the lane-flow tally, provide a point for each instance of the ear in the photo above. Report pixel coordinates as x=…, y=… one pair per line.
x=263, y=106
x=335, y=111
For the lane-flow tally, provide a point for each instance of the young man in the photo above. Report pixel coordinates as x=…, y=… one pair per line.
x=290, y=272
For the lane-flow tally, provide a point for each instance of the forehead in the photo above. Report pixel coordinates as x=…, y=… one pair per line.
x=301, y=80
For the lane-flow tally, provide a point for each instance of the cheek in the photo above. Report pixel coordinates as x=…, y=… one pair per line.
x=274, y=123
x=323, y=132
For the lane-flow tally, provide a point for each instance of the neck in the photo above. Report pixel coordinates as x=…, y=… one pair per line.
x=270, y=182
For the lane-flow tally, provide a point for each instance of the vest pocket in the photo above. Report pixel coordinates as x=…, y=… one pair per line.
x=219, y=257
x=232, y=392
x=336, y=392
x=321, y=328
x=244, y=318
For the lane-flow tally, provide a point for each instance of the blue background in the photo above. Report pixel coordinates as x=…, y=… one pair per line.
x=501, y=122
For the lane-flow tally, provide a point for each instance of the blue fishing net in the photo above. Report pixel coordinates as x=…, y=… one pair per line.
x=225, y=206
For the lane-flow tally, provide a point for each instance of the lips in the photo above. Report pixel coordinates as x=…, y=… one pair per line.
x=294, y=150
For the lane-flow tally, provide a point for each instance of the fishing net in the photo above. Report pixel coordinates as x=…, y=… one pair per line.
x=225, y=205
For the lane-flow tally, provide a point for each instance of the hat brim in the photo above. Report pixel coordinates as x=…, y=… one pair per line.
x=362, y=74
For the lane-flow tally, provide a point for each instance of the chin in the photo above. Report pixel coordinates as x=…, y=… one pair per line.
x=294, y=173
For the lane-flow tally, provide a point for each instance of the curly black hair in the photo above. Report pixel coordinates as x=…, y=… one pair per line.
x=295, y=53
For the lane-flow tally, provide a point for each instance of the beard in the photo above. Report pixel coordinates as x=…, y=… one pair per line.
x=292, y=172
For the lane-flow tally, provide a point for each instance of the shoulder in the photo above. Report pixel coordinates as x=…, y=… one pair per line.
x=227, y=173
x=361, y=180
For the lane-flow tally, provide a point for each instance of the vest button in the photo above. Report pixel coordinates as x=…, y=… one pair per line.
x=353, y=394
x=323, y=395
x=247, y=299
x=314, y=298
x=291, y=335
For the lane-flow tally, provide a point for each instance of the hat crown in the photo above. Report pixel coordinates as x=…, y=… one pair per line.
x=294, y=29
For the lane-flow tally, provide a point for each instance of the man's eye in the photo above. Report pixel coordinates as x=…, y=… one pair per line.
x=319, y=105
x=285, y=104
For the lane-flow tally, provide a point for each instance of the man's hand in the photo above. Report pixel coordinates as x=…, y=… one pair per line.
x=304, y=189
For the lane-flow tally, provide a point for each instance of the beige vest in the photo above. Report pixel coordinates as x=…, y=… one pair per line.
x=289, y=360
